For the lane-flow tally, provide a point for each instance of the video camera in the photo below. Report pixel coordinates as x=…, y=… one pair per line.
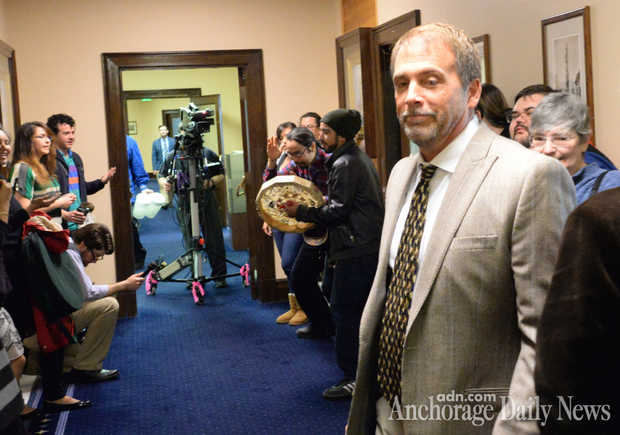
x=195, y=122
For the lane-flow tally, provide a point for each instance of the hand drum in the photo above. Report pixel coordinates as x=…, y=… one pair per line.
x=280, y=189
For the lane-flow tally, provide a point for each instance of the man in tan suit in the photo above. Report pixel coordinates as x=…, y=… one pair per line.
x=449, y=342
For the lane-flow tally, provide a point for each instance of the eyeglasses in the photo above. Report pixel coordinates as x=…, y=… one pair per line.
x=95, y=257
x=512, y=115
x=558, y=140
x=297, y=154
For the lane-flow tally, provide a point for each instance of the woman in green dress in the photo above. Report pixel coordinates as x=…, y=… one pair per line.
x=34, y=169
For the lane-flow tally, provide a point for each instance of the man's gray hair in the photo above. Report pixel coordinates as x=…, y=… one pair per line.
x=467, y=59
x=561, y=109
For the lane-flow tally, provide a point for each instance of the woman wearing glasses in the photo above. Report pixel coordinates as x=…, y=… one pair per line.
x=34, y=169
x=36, y=188
x=309, y=161
x=560, y=128
x=288, y=244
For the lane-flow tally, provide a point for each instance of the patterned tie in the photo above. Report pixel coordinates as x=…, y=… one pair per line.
x=396, y=315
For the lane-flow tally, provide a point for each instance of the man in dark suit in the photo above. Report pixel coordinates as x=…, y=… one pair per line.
x=576, y=367
x=161, y=147
x=470, y=236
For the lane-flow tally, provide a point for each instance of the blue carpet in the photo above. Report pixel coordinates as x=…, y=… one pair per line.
x=222, y=368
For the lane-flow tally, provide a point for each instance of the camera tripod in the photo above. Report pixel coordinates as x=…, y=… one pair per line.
x=190, y=180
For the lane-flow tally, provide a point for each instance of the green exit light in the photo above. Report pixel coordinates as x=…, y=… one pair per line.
x=147, y=99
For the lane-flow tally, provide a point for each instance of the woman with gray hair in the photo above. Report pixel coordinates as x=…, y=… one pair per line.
x=561, y=129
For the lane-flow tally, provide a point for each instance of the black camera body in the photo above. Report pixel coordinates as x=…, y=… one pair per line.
x=194, y=122
x=85, y=208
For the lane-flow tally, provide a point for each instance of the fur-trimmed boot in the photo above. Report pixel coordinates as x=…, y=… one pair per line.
x=285, y=317
x=300, y=316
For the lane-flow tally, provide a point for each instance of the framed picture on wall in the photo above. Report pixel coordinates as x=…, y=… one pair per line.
x=132, y=128
x=482, y=46
x=567, y=54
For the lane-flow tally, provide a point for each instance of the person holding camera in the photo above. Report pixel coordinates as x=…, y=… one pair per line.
x=83, y=363
x=70, y=172
x=210, y=225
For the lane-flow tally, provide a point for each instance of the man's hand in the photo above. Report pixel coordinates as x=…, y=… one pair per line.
x=106, y=177
x=167, y=186
x=133, y=282
x=73, y=216
x=267, y=229
x=290, y=208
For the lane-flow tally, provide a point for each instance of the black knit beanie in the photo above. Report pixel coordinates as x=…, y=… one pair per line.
x=345, y=123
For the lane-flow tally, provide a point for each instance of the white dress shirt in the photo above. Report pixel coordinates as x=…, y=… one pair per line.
x=164, y=147
x=90, y=291
x=446, y=162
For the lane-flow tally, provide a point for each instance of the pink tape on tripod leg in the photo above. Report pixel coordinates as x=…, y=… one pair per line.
x=148, y=283
x=245, y=274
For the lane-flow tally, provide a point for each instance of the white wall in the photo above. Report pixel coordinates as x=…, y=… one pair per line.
x=3, y=29
x=516, y=45
x=59, y=44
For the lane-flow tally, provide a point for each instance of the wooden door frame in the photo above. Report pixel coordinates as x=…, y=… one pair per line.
x=387, y=34
x=262, y=271
x=157, y=93
x=8, y=51
x=370, y=41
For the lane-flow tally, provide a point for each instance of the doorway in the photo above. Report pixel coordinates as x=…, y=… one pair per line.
x=250, y=67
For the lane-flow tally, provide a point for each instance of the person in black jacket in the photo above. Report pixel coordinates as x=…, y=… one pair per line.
x=18, y=302
x=11, y=401
x=210, y=225
x=70, y=170
x=576, y=366
x=354, y=217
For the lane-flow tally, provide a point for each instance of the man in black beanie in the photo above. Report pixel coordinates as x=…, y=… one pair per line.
x=354, y=217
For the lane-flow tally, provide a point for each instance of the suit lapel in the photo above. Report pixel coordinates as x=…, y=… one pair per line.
x=394, y=201
x=470, y=172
